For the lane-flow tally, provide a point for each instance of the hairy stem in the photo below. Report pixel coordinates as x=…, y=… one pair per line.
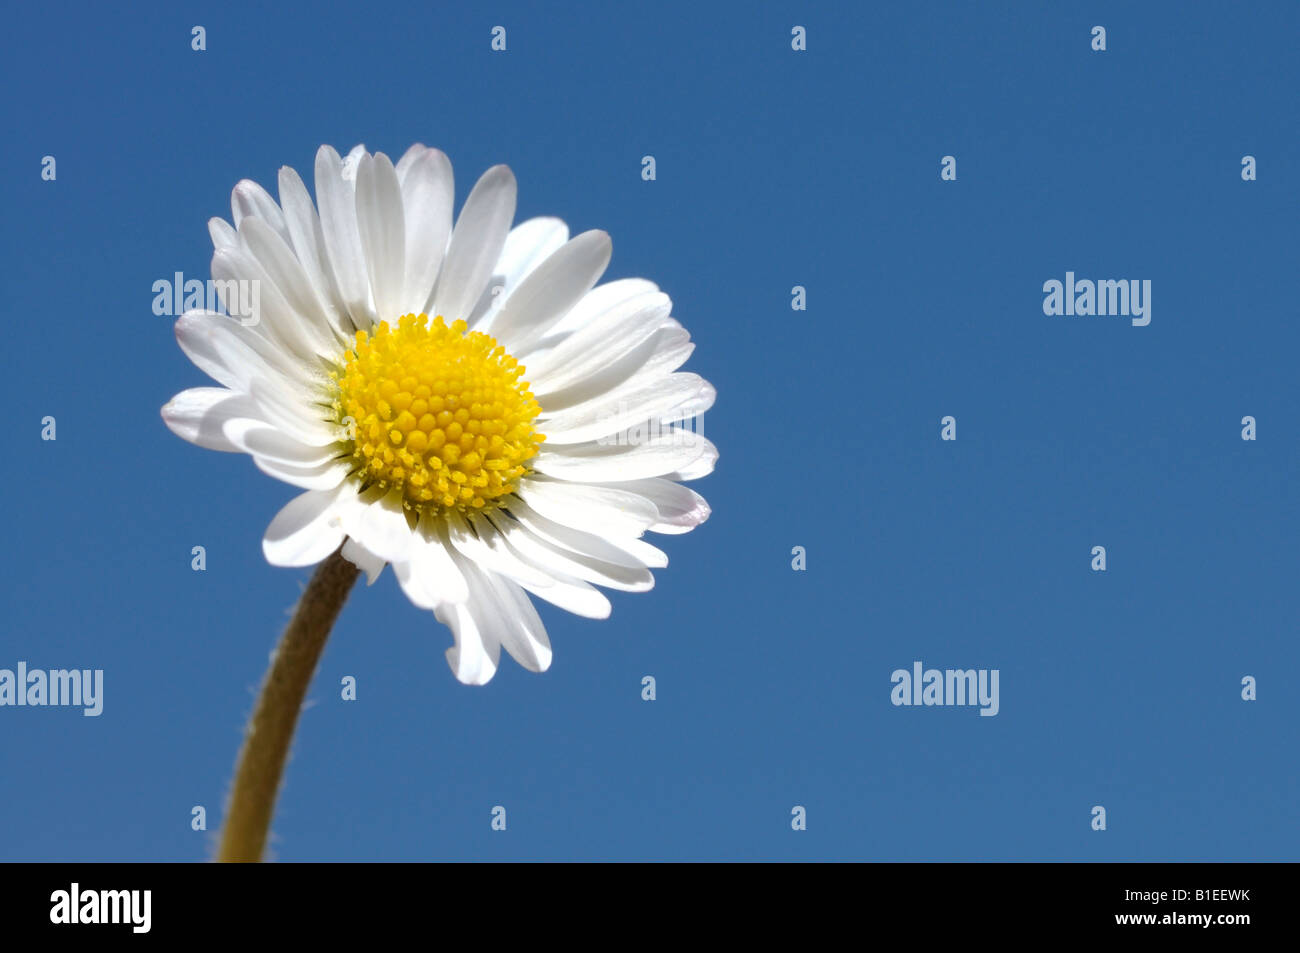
x=270, y=730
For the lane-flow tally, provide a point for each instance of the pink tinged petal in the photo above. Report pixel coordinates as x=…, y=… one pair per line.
x=662, y=402
x=428, y=195
x=363, y=559
x=593, y=509
x=666, y=453
x=250, y=200
x=308, y=243
x=338, y=218
x=680, y=508
x=528, y=245
x=306, y=530
x=381, y=224
x=476, y=244
x=552, y=289
x=197, y=415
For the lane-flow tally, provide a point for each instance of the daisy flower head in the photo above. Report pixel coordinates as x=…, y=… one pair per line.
x=455, y=399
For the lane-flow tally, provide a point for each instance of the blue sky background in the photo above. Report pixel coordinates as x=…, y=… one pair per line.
x=775, y=168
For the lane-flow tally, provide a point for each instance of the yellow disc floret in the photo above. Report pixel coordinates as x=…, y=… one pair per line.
x=437, y=411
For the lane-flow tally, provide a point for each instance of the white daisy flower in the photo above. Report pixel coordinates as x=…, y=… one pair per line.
x=455, y=401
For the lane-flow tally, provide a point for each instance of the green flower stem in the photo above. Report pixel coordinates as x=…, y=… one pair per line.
x=270, y=730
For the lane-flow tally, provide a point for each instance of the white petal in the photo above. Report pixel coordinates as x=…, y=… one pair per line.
x=306, y=530
x=646, y=367
x=429, y=576
x=572, y=540
x=363, y=559
x=644, y=553
x=222, y=234
x=266, y=442
x=594, y=509
x=409, y=157
x=338, y=219
x=323, y=476
x=477, y=626
x=661, y=402
x=551, y=290
x=428, y=194
x=309, y=246
x=377, y=521
x=232, y=354
x=595, y=303
x=488, y=551
x=525, y=639
x=650, y=362
x=272, y=317
x=701, y=466
x=382, y=225
x=250, y=200
x=295, y=298
x=624, y=551
x=276, y=256
x=573, y=595
x=290, y=413
x=351, y=162
x=605, y=340
x=560, y=562
x=680, y=508
x=476, y=244
x=528, y=245
x=659, y=455
x=197, y=415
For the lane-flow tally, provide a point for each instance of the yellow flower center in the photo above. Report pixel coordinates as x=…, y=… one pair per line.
x=438, y=412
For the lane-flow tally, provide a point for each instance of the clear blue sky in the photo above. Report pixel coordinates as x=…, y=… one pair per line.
x=775, y=168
